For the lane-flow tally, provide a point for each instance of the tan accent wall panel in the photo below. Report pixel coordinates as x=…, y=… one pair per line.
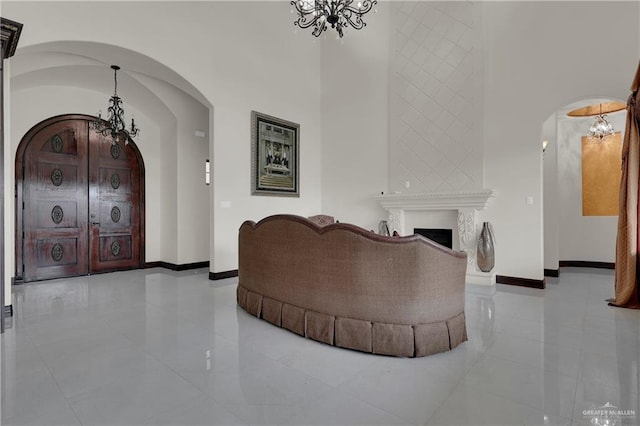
x=601, y=174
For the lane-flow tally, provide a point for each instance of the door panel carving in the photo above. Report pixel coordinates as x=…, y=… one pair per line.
x=115, y=248
x=57, y=214
x=57, y=252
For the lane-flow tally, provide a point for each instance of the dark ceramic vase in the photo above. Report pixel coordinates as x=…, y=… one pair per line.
x=486, y=252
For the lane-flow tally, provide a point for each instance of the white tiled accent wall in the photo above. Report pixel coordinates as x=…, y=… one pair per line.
x=435, y=127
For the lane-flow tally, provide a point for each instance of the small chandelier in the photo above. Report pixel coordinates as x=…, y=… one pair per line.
x=114, y=125
x=339, y=13
x=601, y=128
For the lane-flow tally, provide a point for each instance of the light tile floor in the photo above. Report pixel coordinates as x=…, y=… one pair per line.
x=155, y=347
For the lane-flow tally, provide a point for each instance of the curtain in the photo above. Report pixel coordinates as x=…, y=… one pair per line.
x=628, y=238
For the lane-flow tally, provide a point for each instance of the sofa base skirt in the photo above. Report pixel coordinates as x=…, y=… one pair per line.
x=402, y=340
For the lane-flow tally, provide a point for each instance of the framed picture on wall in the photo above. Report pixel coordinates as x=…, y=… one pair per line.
x=275, y=156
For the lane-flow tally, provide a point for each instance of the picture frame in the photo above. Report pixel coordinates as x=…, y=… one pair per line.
x=275, y=156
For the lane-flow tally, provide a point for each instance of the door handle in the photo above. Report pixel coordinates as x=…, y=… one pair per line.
x=95, y=223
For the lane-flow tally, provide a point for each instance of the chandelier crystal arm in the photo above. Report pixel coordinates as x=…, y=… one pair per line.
x=307, y=16
x=353, y=15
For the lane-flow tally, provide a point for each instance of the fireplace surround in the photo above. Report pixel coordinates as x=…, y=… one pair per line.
x=466, y=204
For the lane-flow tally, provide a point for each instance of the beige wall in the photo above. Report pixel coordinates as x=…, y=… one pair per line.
x=532, y=67
x=355, y=117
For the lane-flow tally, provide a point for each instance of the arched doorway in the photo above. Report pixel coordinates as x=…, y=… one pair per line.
x=572, y=236
x=79, y=201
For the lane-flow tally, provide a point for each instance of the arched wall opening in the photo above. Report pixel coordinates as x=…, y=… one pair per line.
x=570, y=236
x=75, y=77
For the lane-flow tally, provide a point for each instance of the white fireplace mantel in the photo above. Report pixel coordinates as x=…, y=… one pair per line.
x=477, y=200
x=466, y=203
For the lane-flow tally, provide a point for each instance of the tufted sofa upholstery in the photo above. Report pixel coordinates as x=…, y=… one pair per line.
x=345, y=286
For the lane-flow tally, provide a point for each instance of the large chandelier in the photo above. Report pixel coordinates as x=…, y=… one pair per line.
x=114, y=124
x=339, y=13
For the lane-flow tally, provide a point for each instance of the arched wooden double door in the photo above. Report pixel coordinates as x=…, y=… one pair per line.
x=80, y=201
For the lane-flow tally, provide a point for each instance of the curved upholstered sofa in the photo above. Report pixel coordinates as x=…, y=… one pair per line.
x=346, y=286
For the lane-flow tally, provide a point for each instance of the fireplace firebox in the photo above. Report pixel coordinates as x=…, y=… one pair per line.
x=443, y=237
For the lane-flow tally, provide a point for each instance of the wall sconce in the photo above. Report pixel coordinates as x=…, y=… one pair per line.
x=544, y=145
x=207, y=172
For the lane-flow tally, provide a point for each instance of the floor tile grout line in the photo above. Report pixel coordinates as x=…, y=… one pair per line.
x=75, y=414
x=514, y=401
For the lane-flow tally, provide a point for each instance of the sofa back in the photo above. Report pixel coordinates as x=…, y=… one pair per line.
x=344, y=270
